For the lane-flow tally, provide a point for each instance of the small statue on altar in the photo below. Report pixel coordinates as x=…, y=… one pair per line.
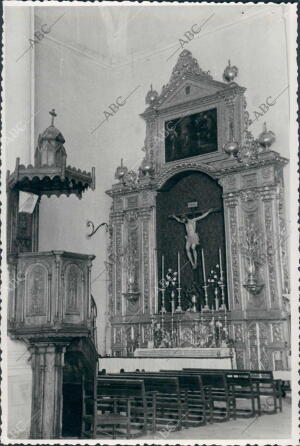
x=165, y=341
x=192, y=238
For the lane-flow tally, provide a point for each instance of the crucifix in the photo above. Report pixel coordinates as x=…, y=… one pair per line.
x=53, y=114
x=192, y=238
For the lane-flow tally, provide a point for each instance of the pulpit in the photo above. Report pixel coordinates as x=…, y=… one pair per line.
x=207, y=204
x=50, y=306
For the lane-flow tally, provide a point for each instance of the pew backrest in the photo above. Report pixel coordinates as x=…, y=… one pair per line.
x=120, y=387
x=160, y=384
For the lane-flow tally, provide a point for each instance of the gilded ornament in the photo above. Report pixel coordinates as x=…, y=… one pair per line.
x=266, y=138
x=230, y=73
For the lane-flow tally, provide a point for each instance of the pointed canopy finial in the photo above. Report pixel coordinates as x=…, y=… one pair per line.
x=53, y=114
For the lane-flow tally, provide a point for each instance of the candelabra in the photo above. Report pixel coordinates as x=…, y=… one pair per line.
x=216, y=279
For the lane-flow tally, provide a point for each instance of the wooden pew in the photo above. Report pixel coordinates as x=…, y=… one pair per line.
x=199, y=403
x=241, y=387
x=241, y=382
x=122, y=403
x=217, y=391
x=265, y=385
x=269, y=388
x=171, y=410
x=192, y=395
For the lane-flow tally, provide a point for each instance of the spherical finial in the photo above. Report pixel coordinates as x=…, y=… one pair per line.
x=231, y=147
x=147, y=166
x=151, y=96
x=267, y=137
x=121, y=171
x=230, y=73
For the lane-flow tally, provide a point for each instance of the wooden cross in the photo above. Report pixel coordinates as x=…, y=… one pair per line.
x=53, y=114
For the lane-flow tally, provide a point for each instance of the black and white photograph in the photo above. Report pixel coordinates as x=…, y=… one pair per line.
x=149, y=209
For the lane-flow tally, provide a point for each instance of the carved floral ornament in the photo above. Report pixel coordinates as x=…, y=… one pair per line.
x=250, y=248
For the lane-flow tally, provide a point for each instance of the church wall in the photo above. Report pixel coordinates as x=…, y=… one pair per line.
x=80, y=87
x=18, y=127
x=19, y=390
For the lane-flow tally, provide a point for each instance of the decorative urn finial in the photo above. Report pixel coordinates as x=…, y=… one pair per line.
x=231, y=147
x=147, y=166
x=121, y=171
x=230, y=73
x=151, y=96
x=266, y=138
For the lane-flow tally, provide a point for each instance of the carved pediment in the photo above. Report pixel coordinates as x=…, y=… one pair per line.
x=191, y=90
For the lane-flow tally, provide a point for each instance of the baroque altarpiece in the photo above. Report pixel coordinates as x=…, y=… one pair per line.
x=225, y=283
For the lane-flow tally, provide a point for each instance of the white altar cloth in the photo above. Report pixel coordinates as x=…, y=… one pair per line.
x=154, y=360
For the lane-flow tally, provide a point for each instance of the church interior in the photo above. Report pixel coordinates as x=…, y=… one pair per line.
x=148, y=222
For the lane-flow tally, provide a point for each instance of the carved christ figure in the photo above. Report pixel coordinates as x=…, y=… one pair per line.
x=192, y=238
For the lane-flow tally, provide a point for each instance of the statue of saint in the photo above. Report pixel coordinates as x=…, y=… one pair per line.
x=192, y=238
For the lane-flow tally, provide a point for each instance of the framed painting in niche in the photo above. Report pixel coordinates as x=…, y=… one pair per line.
x=191, y=135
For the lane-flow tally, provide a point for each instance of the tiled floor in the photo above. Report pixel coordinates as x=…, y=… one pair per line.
x=263, y=427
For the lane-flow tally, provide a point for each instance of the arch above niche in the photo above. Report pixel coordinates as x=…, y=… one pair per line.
x=166, y=174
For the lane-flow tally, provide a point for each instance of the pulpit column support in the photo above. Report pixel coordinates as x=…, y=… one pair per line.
x=47, y=361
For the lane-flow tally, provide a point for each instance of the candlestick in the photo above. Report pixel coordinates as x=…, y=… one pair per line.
x=194, y=300
x=213, y=329
x=172, y=330
x=179, y=334
x=178, y=309
x=155, y=281
x=220, y=262
x=205, y=287
x=203, y=266
x=163, y=310
x=178, y=261
x=216, y=298
x=222, y=286
x=173, y=301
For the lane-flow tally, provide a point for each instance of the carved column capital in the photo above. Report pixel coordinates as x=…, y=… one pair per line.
x=268, y=193
x=145, y=213
x=117, y=217
x=231, y=199
x=131, y=215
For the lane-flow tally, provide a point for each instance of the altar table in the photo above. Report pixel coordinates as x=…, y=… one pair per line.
x=154, y=359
